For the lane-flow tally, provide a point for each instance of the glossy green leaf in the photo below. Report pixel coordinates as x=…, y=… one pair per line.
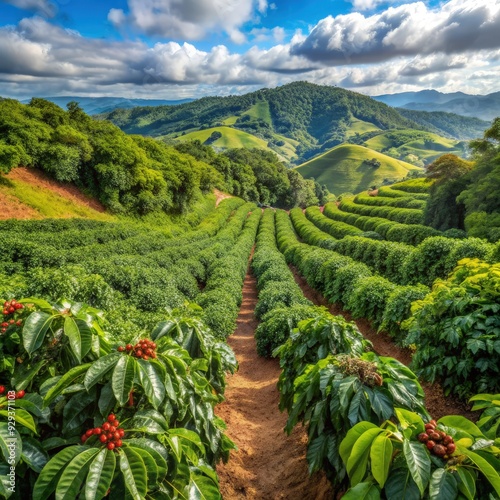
x=47, y=481
x=122, y=380
x=34, y=330
x=418, y=462
x=100, y=475
x=400, y=486
x=351, y=437
x=461, y=423
x=362, y=491
x=73, y=333
x=11, y=443
x=64, y=382
x=151, y=383
x=443, y=485
x=467, y=483
x=492, y=475
x=100, y=367
x=358, y=458
x=34, y=454
x=134, y=473
x=381, y=458
x=22, y=417
x=73, y=477
x=202, y=487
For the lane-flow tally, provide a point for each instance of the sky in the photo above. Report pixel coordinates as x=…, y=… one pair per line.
x=175, y=49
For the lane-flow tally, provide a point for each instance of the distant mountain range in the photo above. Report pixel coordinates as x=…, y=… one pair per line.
x=98, y=105
x=485, y=107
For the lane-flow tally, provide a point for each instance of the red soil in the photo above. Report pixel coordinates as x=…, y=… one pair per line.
x=40, y=180
x=12, y=208
x=269, y=465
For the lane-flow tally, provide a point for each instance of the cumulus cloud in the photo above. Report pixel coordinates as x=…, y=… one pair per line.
x=41, y=7
x=458, y=26
x=188, y=19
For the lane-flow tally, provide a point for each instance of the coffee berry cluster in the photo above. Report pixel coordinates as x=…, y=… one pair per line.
x=438, y=442
x=10, y=307
x=144, y=349
x=108, y=433
x=19, y=394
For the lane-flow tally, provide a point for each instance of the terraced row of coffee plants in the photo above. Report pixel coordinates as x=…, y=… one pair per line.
x=109, y=377
x=365, y=415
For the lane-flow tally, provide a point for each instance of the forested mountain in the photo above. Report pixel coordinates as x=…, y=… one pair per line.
x=297, y=121
x=485, y=107
x=447, y=124
x=96, y=105
x=318, y=117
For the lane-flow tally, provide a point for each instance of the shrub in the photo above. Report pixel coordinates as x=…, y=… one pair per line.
x=456, y=329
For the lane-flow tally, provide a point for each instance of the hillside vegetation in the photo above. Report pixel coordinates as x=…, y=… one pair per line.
x=133, y=175
x=297, y=121
x=349, y=168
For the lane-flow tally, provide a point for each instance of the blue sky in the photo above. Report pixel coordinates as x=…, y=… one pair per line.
x=189, y=48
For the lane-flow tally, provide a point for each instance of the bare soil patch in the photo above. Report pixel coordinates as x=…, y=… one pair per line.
x=40, y=180
x=219, y=196
x=12, y=208
x=269, y=465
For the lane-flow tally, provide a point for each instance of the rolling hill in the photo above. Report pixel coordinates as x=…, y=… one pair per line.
x=297, y=121
x=345, y=168
x=96, y=105
x=485, y=107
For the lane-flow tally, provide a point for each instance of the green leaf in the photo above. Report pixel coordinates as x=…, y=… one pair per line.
x=73, y=333
x=461, y=423
x=68, y=487
x=85, y=335
x=362, y=491
x=134, y=473
x=35, y=329
x=484, y=466
x=467, y=484
x=22, y=417
x=358, y=459
x=151, y=383
x=410, y=419
x=67, y=379
x=10, y=440
x=47, y=480
x=162, y=329
x=122, y=380
x=101, y=473
x=381, y=401
x=443, y=485
x=418, y=462
x=100, y=367
x=317, y=449
x=351, y=437
x=381, y=458
x=155, y=449
x=34, y=454
x=400, y=486
x=189, y=436
x=149, y=462
x=202, y=487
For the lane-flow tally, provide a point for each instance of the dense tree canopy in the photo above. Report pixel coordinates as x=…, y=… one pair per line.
x=258, y=175
x=127, y=173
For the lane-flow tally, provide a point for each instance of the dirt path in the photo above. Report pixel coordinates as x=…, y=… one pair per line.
x=219, y=196
x=268, y=465
x=436, y=402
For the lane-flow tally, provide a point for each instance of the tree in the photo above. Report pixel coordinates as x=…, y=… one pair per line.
x=443, y=211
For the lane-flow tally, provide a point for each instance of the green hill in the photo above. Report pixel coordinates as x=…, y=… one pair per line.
x=345, y=168
x=415, y=146
x=297, y=121
x=316, y=117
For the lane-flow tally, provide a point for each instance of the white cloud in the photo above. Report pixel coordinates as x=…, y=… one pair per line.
x=188, y=19
x=276, y=34
x=459, y=26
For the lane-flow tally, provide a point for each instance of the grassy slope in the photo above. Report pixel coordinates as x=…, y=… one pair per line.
x=360, y=127
x=342, y=169
x=427, y=149
x=231, y=138
x=260, y=110
x=43, y=202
